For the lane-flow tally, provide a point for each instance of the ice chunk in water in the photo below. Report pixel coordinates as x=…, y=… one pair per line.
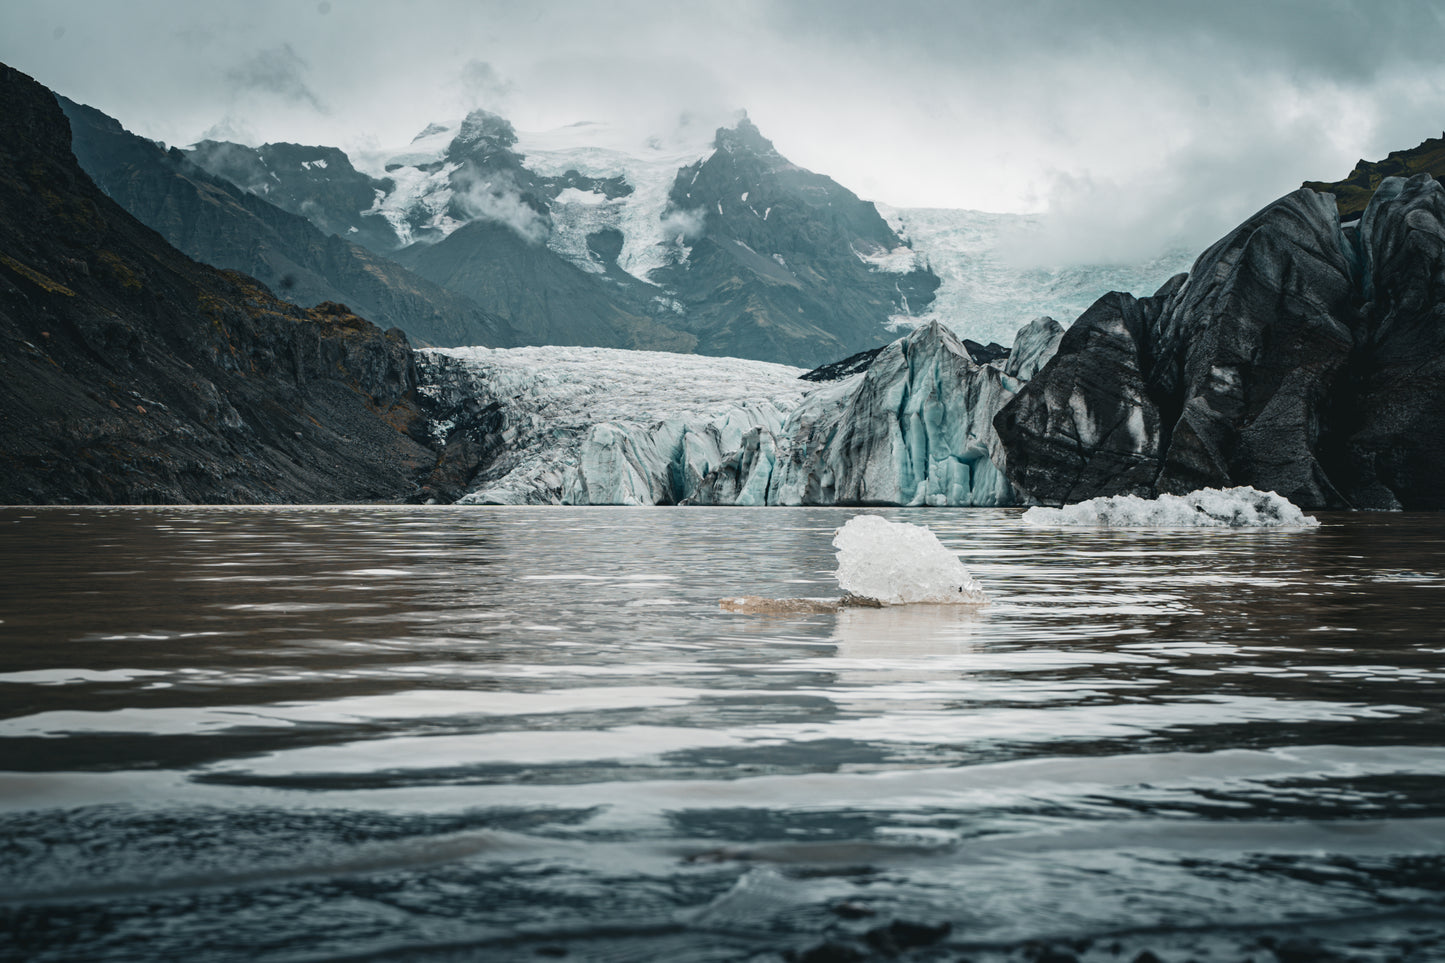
x=897, y=563
x=1242, y=507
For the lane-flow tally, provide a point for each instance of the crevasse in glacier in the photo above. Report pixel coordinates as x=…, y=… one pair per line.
x=623, y=463
x=916, y=428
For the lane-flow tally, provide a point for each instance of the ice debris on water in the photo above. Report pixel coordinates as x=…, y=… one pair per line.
x=1241, y=507
x=897, y=564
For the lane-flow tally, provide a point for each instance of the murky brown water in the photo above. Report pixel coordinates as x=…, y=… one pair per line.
x=462, y=734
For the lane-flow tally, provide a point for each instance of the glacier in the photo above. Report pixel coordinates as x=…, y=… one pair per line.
x=556, y=419
x=915, y=428
x=1239, y=507
x=603, y=426
x=981, y=282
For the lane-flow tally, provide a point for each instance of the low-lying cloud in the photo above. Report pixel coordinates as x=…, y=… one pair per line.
x=279, y=71
x=495, y=198
x=685, y=225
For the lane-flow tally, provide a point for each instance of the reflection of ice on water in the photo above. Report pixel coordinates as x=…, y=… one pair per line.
x=906, y=631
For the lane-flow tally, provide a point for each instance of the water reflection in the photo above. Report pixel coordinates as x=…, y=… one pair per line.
x=477, y=733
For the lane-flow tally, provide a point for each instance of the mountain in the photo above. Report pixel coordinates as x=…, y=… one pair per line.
x=713, y=244
x=1354, y=192
x=133, y=374
x=219, y=223
x=547, y=299
x=783, y=263
x=338, y=199
x=1296, y=356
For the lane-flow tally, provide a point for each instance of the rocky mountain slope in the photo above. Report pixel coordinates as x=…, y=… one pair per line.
x=130, y=373
x=221, y=224
x=783, y=263
x=1296, y=356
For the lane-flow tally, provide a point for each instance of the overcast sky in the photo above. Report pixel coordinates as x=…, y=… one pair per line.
x=1136, y=123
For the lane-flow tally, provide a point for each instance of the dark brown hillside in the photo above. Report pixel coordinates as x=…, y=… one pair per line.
x=130, y=373
x=1354, y=192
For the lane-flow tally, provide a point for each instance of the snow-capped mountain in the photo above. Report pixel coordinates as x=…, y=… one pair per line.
x=709, y=238
x=705, y=240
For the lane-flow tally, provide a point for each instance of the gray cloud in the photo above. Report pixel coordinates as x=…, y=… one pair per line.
x=1134, y=122
x=483, y=86
x=279, y=71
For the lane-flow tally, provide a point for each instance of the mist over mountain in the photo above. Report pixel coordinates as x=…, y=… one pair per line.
x=217, y=222
x=717, y=244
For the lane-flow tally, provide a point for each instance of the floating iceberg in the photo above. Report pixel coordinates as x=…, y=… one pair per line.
x=1242, y=507
x=897, y=563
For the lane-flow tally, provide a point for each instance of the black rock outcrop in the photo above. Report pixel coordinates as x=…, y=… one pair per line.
x=1295, y=357
x=131, y=374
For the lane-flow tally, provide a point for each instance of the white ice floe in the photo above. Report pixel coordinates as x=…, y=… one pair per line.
x=897, y=563
x=1242, y=507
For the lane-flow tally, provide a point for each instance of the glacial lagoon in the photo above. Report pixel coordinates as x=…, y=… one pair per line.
x=448, y=734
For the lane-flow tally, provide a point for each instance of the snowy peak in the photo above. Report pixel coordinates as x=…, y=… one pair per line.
x=746, y=138
x=781, y=262
x=483, y=136
x=698, y=235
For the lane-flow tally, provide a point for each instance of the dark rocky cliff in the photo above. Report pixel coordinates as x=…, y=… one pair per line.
x=1295, y=356
x=132, y=374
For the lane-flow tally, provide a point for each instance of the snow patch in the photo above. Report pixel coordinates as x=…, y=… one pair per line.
x=897, y=563
x=1241, y=507
x=649, y=165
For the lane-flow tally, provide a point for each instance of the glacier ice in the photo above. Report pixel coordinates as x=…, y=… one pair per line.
x=897, y=564
x=969, y=251
x=1241, y=507
x=582, y=419
x=597, y=426
x=916, y=428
